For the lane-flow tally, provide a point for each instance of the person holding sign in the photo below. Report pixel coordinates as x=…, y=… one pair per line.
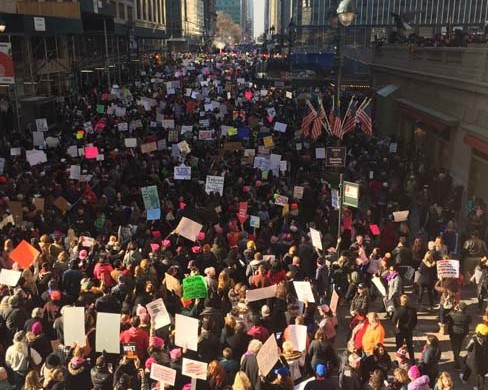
x=138, y=336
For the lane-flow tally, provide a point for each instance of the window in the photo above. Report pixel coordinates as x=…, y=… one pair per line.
x=138, y=6
x=121, y=11
x=129, y=13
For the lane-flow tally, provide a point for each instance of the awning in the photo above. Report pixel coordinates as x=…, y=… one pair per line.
x=388, y=90
x=476, y=138
x=433, y=118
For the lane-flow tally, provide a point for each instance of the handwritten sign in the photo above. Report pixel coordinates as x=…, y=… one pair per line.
x=448, y=269
x=194, y=369
x=304, y=291
x=188, y=228
x=194, y=287
x=261, y=293
x=159, y=314
x=214, y=184
x=182, y=172
x=9, y=277
x=268, y=355
x=316, y=238
x=163, y=374
x=281, y=200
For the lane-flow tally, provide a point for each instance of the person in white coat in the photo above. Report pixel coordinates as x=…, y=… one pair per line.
x=19, y=357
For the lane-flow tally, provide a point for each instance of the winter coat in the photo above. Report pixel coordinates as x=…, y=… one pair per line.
x=395, y=287
x=101, y=378
x=458, y=322
x=421, y=383
x=404, y=319
x=78, y=377
x=428, y=274
x=249, y=365
x=476, y=360
x=139, y=337
x=429, y=364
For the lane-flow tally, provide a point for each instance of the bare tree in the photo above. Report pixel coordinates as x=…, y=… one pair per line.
x=227, y=31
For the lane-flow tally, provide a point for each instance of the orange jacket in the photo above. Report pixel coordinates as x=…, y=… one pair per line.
x=373, y=336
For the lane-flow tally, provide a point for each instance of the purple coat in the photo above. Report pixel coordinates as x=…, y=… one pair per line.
x=421, y=383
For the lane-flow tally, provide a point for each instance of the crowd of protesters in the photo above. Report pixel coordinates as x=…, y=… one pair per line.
x=125, y=266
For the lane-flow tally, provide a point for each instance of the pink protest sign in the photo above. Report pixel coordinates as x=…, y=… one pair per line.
x=91, y=152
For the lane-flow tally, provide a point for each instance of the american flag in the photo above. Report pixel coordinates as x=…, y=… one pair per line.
x=349, y=119
x=364, y=116
x=308, y=119
x=337, y=126
x=318, y=124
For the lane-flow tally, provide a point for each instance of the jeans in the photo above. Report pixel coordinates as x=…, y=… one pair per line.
x=456, y=345
x=430, y=293
x=442, y=314
x=19, y=380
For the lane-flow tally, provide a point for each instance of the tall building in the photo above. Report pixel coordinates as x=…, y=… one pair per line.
x=247, y=17
x=231, y=7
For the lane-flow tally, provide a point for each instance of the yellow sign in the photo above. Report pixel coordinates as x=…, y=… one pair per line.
x=268, y=142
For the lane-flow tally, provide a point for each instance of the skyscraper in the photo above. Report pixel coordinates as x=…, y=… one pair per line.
x=231, y=7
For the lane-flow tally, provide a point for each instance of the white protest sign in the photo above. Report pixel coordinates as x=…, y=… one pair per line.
x=159, y=314
x=281, y=200
x=123, y=126
x=298, y=192
x=255, y=221
x=320, y=153
x=163, y=374
x=261, y=293
x=289, y=95
x=379, y=285
x=188, y=229
x=52, y=142
x=184, y=147
x=400, y=216
x=15, y=151
x=168, y=123
x=194, y=369
x=448, y=269
x=9, y=277
x=35, y=157
x=182, y=173
x=74, y=325
x=186, y=129
x=41, y=124
x=334, y=301
x=108, y=333
x=304, y=291
x=281, y=127
x=393, y=147
x=214, y=184
x=186, y=329
x=316, y=238
x=268, y=355
x=74, y=174
x=2, y=165
x=38, y=138
x=298, y=336
x=130, y=142
x=73, y=151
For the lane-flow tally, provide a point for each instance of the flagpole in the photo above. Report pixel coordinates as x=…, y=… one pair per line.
x=345, y=115
x=339, y=219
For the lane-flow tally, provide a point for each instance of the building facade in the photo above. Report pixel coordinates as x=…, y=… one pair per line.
x=231, y=7
x=247, y=20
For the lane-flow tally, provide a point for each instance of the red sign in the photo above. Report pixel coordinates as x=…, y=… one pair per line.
x=242, y=214
x=6, y=64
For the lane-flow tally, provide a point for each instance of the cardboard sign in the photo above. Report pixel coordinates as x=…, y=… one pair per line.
x=108, y=333
x=62, y=204
x=400, y=216
x=9, y=277
x=215, y=184
x=163, y=374
x=334, y=301
x=379, y=285
x=194, y=287
x=188, y=229
x=298, y=192
x=231, y=146
x=172, y=136
x=24, y=254
x=194, y=369
x=448, y=269
x=186, y=332
x=74, y=325
x=150, y=197
x=261, y=293
x=157, y=311
x=172, y=284
x=316, y=238
x=304, y=291
x=268, y=355
x=149, y=147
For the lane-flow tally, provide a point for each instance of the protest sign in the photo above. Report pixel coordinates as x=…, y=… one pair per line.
x=150, y=197
x=41, y=124
x=159, y=314
x=91, y=152
x=35, y=157
x=316, y=238
x=123, y=126
x=375, y=230
x=100, y=108
x=334, y=198
x=268, y=355
x=75, y=172
x=379, y=285
x=129, y=350
x=448, y=269
x=163, y=374
x=182, y=173
x=194, y=287
x=62, y=204
x=188, y=229
x=130, y=142
x=87, y=242
x=255, y=221
x=38, y=139
x=393, y=147
x=298, y=192
x=351, y=194
x=9, y=277
x=304, y=291
x=172, y=284
x=168, y=123
x=261, y=293
x=108, y=332
x=298, y=336
x=242, y=212
x=268, y=142
x=186, y=332
x=74, y=325
x=400, y=216
x=320, y=153
x=214, y=184
x=205, y=135
x=153, y=214
x=149, y=147
x=24, y=254
x=8, y=219
x=334, y=301
x=194, y=369
x=281, y=200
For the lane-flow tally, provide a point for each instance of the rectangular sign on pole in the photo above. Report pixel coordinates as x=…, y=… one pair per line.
x=335, y=156
x=351, y=194
x=6, y=64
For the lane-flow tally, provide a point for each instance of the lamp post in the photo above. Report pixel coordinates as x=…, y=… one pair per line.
x=3, y=26
x=342, y=17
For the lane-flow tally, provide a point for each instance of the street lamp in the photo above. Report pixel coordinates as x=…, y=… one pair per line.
x=3, y=26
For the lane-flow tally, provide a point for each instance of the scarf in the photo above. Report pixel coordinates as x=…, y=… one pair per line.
x=391, y=276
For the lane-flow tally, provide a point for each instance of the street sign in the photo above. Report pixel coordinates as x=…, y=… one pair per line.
x=335, y=156
x=351, y=194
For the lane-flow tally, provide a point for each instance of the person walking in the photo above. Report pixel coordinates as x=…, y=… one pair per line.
x=476, y=361
x=404, y=320
x=457, y=328
x=427, y=279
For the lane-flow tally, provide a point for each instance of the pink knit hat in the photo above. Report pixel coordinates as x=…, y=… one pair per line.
x=413, y=372
x=157, y=342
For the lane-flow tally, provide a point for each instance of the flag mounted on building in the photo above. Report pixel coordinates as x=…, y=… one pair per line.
x=308, y=119
x=363, y=115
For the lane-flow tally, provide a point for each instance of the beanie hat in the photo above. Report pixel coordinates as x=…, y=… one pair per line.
x=140, y=310
x=19, y=336
x=37, y=312
x=265, y=311
x=413, y=372
x=36, y=328
x=157, y=342
x=482, y=329
x=149, y=363
x=52, y=360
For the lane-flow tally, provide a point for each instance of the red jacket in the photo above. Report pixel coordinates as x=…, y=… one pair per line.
x=139, y=337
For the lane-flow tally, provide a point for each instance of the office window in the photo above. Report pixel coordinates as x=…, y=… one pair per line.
x=121, y=11
x=138, y=7
x=129, y=13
